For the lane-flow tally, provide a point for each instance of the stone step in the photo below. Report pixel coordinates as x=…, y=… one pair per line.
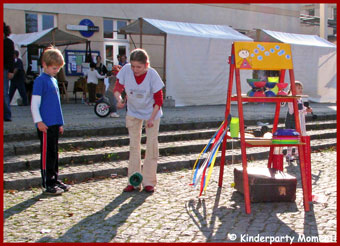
x=87, y=142
x=32, y=161
x=110, y=131
x=72, y=173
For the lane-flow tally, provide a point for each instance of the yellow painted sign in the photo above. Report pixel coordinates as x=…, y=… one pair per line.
x=263, y=55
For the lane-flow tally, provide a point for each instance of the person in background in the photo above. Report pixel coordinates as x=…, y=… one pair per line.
x=18, y=80
x=102, y=70
x=92, y=77
x=123, y=60
x=143, y=87
x=8, y=70
x=110, y=94
x=48, y=117
x=290, y=120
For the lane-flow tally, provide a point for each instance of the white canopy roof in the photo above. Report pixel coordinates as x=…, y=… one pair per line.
x=314, y=61
x=45, y=38
x=301, y=39
x=157, y=27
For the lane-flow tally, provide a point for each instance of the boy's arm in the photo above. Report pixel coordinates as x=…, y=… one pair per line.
x=35, y=105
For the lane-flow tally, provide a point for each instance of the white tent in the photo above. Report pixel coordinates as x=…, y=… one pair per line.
x=45, y=38
x=314, y=61
x=196, y=59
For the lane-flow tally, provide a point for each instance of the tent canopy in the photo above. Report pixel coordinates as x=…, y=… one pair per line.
x=161, y=27
x=45, y=38
x=314, y=61
x=195, y=58
x=300, y=39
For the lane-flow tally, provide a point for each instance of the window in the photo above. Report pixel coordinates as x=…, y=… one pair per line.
x=38, y=22
x=47, y=21
x=108, y=29
x=31, y=23
x=121, y=24
x=311, y=12
x=111, y=28
x=109, y=55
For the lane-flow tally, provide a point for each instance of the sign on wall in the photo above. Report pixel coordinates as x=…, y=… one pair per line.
x=74, y=61
x=86, y=28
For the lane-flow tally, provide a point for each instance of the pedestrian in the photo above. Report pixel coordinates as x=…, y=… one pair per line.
x=48, y=117
x=92, y=77
x=102, y=70
x=109, y=93
x=8, y=70
x=143, y=87
x=18, y=80
x=290, y=119
x=123, y=60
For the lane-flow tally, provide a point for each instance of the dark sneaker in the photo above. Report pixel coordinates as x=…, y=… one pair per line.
x=63, y=186
x=53, y=190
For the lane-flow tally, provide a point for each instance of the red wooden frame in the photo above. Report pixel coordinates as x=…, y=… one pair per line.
x=303, y=146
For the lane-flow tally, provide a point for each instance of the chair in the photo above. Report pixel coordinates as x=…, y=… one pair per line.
x=80, y=85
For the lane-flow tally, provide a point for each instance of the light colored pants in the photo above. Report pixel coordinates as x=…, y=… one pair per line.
x=149, y=170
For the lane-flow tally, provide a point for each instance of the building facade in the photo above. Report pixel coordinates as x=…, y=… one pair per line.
x=108, y=18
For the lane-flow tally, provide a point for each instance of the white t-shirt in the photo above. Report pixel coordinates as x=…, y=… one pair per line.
x=140, y=96
x=93, y=76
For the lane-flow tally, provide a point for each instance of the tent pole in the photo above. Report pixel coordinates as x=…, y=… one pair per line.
x=53, y=37
x=164, y=62
x=132, y=41
x=141, y=32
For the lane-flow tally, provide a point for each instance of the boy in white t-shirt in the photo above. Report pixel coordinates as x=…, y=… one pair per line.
x=92, y=77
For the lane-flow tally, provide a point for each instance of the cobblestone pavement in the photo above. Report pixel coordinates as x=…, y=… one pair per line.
x=98, y=211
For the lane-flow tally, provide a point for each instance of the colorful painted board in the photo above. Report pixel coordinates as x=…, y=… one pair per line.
x=263, y=55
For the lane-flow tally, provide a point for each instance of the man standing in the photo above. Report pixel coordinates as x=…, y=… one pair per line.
x=8, y=70
x=18, y=80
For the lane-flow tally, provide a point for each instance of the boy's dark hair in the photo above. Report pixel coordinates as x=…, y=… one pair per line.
x=7, y=30
x=92, y=64
x=139, y=55
x=16, y=53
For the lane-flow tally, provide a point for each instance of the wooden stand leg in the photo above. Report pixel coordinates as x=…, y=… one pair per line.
x=308, y=165
x=303, y=178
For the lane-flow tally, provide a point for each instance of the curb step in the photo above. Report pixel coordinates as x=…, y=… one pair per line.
x=32, y=161
x=78, y=143
x=79, y=173
x=163, y=127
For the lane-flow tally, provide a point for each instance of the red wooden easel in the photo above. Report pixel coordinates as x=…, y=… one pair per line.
x=303, y=145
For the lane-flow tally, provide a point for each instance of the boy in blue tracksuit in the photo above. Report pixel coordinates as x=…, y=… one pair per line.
x=48, y=117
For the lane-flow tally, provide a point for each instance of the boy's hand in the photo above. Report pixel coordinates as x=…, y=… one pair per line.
x=42, y=127
x=61, y=130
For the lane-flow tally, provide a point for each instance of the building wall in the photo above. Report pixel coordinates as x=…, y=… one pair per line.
x=243, y=17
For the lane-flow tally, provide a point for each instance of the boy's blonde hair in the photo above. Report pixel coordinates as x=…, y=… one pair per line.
x=52, y=57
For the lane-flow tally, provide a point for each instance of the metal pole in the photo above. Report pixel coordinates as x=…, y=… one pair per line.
x=141, y=32
x=323, y=21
